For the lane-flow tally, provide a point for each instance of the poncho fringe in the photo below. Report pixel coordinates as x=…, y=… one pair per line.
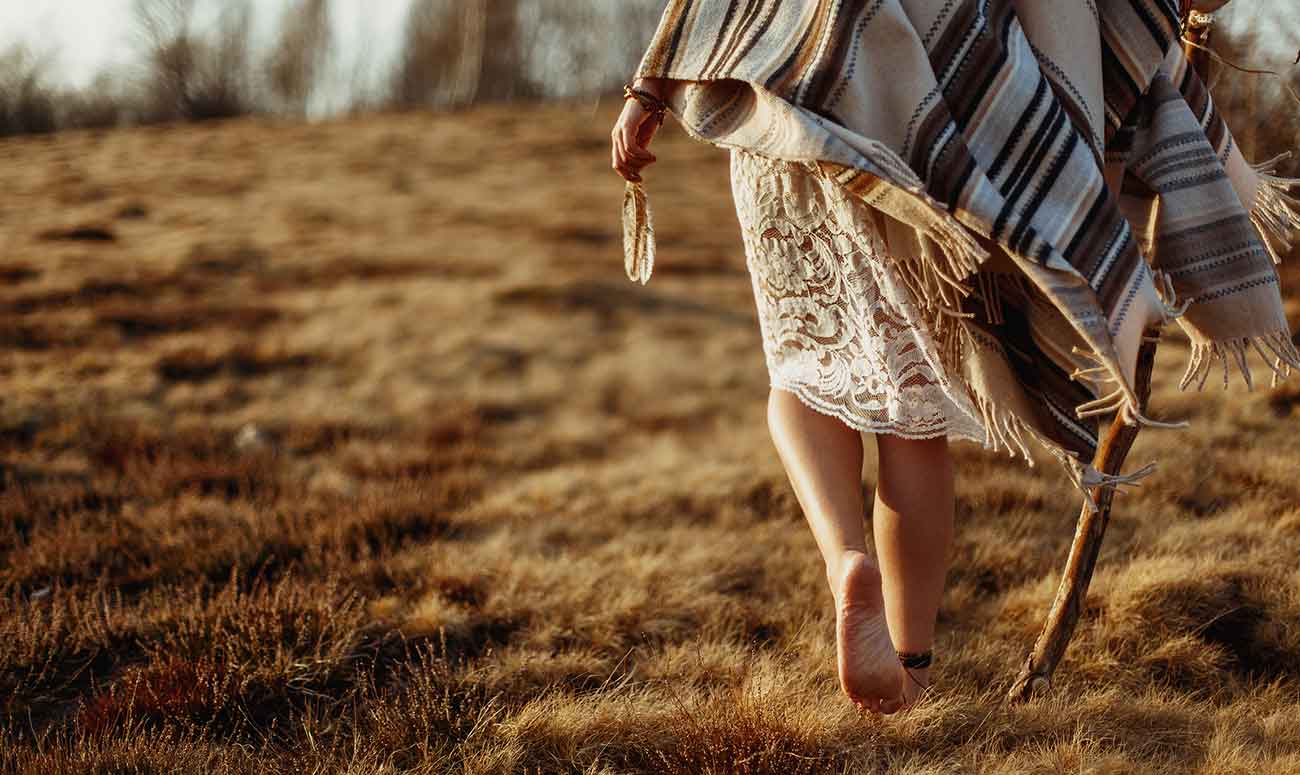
x=1084, y=263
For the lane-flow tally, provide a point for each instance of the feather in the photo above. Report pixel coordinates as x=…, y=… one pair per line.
x=638, y=234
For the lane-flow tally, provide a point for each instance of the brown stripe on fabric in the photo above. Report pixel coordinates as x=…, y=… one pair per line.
x=724, y=115
x=1224, y=242
x=1114, y=284
x=1077, y=113
x=1232, y=245
x=965, y=87
x=660, y=57
x=1201, y=101
x=864, y=184
x=1225, y=280
x=803, y=63
x=753, y=36
x=739, y=35
x=1144, y=24
x=1101, y=236
x=1121, y=110
x=785, y=78
x=854, y=14
x=725, y=33
x=940, y=154
x=1191, y=164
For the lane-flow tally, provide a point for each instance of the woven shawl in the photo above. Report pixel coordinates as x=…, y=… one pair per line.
x=1051, y=176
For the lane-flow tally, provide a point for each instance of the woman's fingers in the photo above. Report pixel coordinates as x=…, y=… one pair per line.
x=628, y=155
x=625, y=166
x=628, y=160
x=633, y=146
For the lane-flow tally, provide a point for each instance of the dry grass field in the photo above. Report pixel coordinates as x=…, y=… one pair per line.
x=350, y=448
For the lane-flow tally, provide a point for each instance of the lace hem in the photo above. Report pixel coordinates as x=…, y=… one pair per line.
x=812, y=401
x=838, y=325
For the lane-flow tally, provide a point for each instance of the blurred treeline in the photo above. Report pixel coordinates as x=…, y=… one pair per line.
x=453, y=53
x=1264, y=116
x=460, y=52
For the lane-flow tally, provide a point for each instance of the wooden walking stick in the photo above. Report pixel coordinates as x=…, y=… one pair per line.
x=1035, y=675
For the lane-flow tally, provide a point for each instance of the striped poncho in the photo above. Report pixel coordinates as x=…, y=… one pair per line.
x=1051, y=176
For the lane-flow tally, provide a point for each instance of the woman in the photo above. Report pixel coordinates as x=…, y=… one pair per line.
x=947, y=210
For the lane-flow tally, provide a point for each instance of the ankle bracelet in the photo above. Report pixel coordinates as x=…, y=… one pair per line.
x=916, y=659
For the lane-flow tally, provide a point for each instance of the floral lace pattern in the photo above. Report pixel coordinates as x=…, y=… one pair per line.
x=839, y=330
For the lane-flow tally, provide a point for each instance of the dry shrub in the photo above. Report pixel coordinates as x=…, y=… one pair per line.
x=14, y=273
x=197, y=364
x=338, y=271
x=86, y=233
x=167, y=462
x=27, y=101
x=190, y=78
x=140, y=320
x=133, y=749
x=1209, y=619
x=225, y=259
x=736, y=731
x=145, y=285
x=235, y=659
x=53, y=646
x=66, y=530
x=190, y=503
x=104, y=104
x=431, y=714
x=21, y=334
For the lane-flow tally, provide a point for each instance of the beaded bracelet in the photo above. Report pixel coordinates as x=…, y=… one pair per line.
x=649, y=102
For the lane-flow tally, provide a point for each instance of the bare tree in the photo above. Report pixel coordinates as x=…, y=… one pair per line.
x=459, y=52
x=27, y=105
x=190, y=78
x=302, y=54
x=1264, y=116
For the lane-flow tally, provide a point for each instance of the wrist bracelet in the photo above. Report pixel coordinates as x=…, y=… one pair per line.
x=649, y=102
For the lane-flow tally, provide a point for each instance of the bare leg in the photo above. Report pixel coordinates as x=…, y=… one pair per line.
x=912, y=522
x=823, y=458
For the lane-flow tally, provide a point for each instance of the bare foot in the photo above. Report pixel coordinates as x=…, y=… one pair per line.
x=870, y=673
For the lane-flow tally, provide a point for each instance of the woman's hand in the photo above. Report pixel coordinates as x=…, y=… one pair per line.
x=632, y=134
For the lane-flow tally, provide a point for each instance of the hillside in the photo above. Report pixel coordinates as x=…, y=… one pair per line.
x=349, y=447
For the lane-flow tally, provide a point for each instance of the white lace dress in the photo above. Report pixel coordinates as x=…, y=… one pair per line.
x=839, y=330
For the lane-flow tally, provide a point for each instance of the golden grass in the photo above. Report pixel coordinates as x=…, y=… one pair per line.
x=349, y=448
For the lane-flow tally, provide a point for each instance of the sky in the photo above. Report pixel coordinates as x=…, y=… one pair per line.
x=84, y=37
x=86, y=34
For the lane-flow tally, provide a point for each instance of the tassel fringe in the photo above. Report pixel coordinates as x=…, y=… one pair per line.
x=638, y=234
x=1170, y=308
x=1089, y=480
x=1281, y=357
x=1002, y=429
x=934, y=284
x=1120, y=400
x=989, y=294
x=1276, y=213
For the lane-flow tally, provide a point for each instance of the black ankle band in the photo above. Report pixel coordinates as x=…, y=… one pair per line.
x=916, y=659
